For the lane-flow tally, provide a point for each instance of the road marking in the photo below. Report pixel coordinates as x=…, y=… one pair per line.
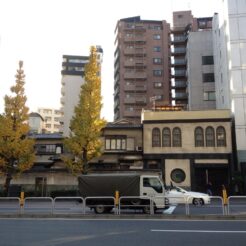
x=169, y=210
x=197, y=231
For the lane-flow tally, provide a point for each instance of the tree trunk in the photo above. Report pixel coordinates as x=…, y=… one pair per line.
x=85, y=161
x=7, y=183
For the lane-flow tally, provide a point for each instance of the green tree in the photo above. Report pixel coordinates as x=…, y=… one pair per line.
x=16, y=149
x=84, y=141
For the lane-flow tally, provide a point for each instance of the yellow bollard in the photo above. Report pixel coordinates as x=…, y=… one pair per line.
x=22, y=197
x=224, y=195
x=117, y=196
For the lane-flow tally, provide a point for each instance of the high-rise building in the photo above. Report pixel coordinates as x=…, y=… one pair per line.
x=141, y=66
x=229, y=34
x=51, y=118
x=150, y=67
x=183, y=24
x=72, y=79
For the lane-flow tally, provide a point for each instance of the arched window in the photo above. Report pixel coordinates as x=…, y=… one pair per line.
x=166, y=137
x=177, y=142
x=221, y=136
x=199, y=137
x=210, y=141
x=156, y=137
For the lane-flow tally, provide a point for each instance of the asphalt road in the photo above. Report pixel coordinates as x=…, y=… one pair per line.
x=75, y=232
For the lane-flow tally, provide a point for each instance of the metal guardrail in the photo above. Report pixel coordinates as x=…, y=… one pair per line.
x=15, y=204
x=33, y=200
x=137, y=203
x=103, y=198
x=230, y=203
x=50, y=205
x=77, y=208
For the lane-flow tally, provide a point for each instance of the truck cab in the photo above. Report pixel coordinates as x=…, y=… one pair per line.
x=152, y=186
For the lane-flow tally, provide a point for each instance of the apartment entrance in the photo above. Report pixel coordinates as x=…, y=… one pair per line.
x=218, y=176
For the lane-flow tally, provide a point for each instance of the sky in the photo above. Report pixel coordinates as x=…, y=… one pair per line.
x=40, y=32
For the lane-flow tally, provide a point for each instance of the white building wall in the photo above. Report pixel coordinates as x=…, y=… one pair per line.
x=199, y=44
x=230, y=53
x=51, y=119
x=71, y=87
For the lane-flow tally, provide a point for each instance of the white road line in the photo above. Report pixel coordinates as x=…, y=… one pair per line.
x=197, y=231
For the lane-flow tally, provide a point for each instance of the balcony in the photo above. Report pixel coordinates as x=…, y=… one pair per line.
x=180, y=95
x=178, y=51
x=179, y=84
x=178, y=62
x=136, y=88
x=135, y=75
x=134, y=39
x=135, y=63
x=179, y=73
x=63, y=91
x=135, y=100
x=178, y=39
x=62, y=101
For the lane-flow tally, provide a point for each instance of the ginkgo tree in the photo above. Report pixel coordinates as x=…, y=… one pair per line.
x=16, y=149
x=84, y=141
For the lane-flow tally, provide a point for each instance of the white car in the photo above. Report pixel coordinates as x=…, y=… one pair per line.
x=178, y=195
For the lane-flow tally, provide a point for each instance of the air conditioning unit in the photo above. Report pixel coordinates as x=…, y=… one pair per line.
x=139, y=148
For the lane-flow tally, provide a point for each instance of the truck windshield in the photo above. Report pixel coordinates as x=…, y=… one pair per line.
x=153, y=183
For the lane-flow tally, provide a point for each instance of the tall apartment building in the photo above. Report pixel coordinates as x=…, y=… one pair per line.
x=51, y=118
x=183, y=24
x=150, y=67
x=229, y=34
x=141, y=66
x=72, y=79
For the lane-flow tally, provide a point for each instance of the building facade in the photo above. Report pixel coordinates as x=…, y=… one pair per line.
x=191, y=147
x=229, y=35
x=183, y=24
x=200, y=71
x=51, y=118
x=141, y=66
x=72, y=80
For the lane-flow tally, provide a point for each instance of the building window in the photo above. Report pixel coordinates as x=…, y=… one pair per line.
x=166, y=137
x=178, y=175
x=157, y=72
x=157, y=61
x=177, y=142
x=209, y=96
x=156, y=137
x=199, y=137
x=157, y=49
x=115, y=143
x=207, y=60
x=210, y=141
x=158, y=84
x=157, y=37
x=208, y=77
x=221, y=136
x=45, y=148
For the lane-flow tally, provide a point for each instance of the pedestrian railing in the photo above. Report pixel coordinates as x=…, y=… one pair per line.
x=235, y=205
x=97, y=203
x=38, y=205
x=10, y=205
x=69, y=205
x=136, y=202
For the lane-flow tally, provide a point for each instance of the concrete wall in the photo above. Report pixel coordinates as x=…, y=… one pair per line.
x=199, y=44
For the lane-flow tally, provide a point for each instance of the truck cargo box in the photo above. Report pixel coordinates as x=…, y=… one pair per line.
x=107, y=184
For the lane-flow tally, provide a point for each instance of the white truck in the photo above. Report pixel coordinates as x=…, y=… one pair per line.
x=139, y=188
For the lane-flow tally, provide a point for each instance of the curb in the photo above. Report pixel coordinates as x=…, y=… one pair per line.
x=123, y=217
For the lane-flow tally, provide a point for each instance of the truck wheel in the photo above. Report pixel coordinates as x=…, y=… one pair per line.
x=99, y=209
